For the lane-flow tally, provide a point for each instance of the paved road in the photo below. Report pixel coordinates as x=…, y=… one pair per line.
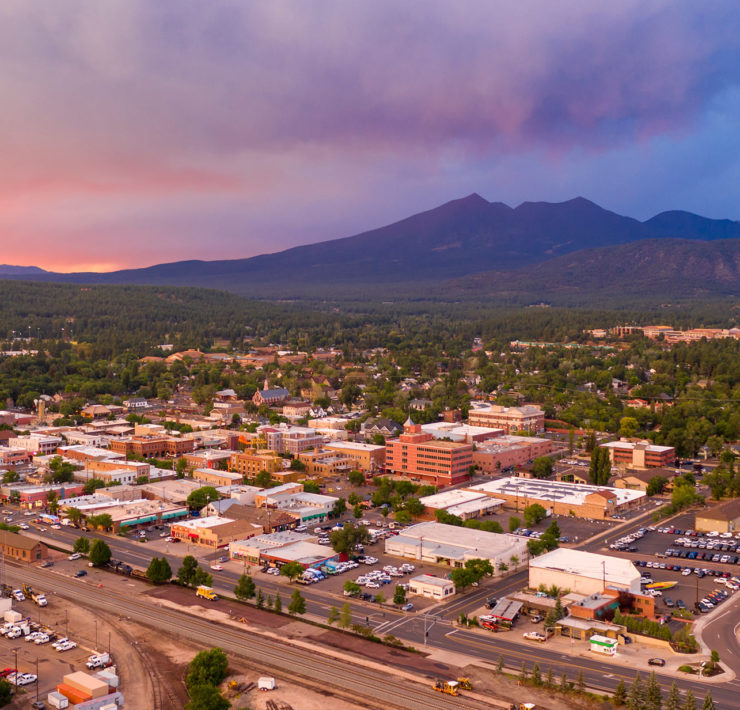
x=361, y=681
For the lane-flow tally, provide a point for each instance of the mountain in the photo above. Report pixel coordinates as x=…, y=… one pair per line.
x=9, y=270
x=651, y=267
x=462, y=237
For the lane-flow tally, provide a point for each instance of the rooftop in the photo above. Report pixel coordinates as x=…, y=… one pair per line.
x=647, y=446
x=587, y=564
x=431, y=579
x=556, y=491
x=211, y=521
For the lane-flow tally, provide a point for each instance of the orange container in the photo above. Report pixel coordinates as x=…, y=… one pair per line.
x=72, y=694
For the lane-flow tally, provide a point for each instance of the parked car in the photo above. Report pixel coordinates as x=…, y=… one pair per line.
x=80, y=573
x=656, y=662
x=75, y=556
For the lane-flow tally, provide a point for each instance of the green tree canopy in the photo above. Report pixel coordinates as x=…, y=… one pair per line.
x=201, y=497
x=245, y=588
x=533, y=514
x=100, y=553
x=159, y=570
x=292, y=570
x=82, y=544
x=297, y=603
x=207, y=668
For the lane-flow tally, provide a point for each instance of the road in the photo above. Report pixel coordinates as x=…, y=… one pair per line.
x=441, y=634
x=360, y=681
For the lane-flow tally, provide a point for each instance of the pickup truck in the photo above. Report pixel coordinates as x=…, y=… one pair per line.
x=535, y=636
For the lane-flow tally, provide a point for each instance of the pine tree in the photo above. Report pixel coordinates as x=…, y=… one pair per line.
x=689, y=703
x=536, y=675
x=653, y=694
x=345, y=617
x=580, y=684
x=269, y=601
x=333, y=615
x=297, y=603
x=278, y=603
x=549, y=679
x=260, y=599
x=708, y=702
x=620, y=694
x=244, y=588
x=673, y=699
x=564, y=687
x=636, y=696
x=523, y=673
x=500, y=664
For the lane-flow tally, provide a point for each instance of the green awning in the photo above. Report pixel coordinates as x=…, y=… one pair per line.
x=176, y=514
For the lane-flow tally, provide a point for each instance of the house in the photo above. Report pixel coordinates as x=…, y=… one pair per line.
x=386, y=428
x=270, y=397
x=724, y=517
x=23, y=549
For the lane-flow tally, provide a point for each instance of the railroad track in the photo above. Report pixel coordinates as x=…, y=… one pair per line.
x=344, y=676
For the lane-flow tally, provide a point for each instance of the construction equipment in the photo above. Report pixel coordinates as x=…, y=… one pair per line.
x=523, y=706
x=465, y=683
x=6, y=590
x=446, y=686
x=27, y=590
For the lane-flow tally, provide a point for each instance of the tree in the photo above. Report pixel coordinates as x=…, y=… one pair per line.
x=708, y=702
x=11, y=477
x=549, y=679
x=292, y=570
x=656, y=485
x=533, y=514
x=542, y=467
x=352, y=588
x=580, y=683
x=564, y=685
x=92, y=485
x=514, y=523
x=379, y=598
x=463, y=577
x=297, y=603
x=201, y=497
x=653, y=694
x=689, y=702
x=523, y=673
x=74, y=515
x=356, y=478
x=346, y=538
x=414, y=506
x=278, y=602
x=159, y=570
x=333, y=615
x=101, y=522
x=263, y=479
x=620, y=694
x=340, y=506
x=399, y=595
x=500, y=664
x=245, y=588
x=357, y=511
x=345, y=616
x=52, y=504
x=628, y=427
x=186, y=573
x=207, y=668
x=6, y=692
x=481, y=568
x=100, y=553
x=636, y=695
x=673, y=699
x=61, y=471
x=403, y=517
x=311, y=487
x=536, y=675
x=601, y=466
x=260, y=603
x=82, y=544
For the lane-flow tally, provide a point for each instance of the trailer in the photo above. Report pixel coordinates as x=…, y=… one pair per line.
x=266, y=683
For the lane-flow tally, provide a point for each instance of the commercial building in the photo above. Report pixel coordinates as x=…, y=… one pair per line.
x=453, y=546
x=250, y=463
x=422, y=458
x=639, y=480
x=213, y=477
x=639, y=454
x=278, y=548
x=309, y=507
x=363, y=457
x=209, y=458
x=583, y=572
x=724, y=517
x=23, y=549
x=325, y=463
x=38, y=445
x=174, y=491
x=494, y=455
x=135, y=514
x=31, y=497
x=513, y=420
x=454, y=431
x=291, y=440
x=14, y=458
x=583, y=501
x=214, y=531
x=81, y=453
x=269, y=519
x=427, y=585
x=464, y=504
x=152, y=446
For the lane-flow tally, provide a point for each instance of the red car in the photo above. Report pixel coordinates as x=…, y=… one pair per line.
x=6, y=672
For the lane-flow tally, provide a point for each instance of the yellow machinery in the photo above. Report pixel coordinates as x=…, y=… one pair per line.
x=465, y=684
x=447, y=686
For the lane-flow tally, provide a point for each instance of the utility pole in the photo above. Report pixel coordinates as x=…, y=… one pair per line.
x=603, y=571
x=37, y=680
x=96, y=635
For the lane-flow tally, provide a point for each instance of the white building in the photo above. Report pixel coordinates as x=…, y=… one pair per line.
x=453, y=546
x=583, y=572
x=464, y=504
x=35, y=444
x=427, y=585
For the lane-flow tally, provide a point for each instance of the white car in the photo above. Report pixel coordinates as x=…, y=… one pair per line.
x=41, y=638
x=56, y=526
x=14, y=633
x=217, y=568
x=686, y=571
x=18, y=595
x=372, y=585
x=75, y=556
x=24, y=679
x=32, y=636
x=66, y=646
x=23, y=526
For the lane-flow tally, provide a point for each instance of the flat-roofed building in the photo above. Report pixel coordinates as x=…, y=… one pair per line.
x=527, y=419
x=174, y=491
x=135, y=514
x=640, y=454
x=364, y=457
x=250, y=550
x=326, y=463
x=152, y=446
x=420, y=457
x=209, y=458
x=452, y=546
x=213, y=477
x=464, y=504
x=214, y=531
x=82, y=453
x=291, y=440
x=35, y=444
x=724, y=517
x=583, y=572
x=427, y=585
x=583, y=501
x=455, y=431
x=250, y=463
x=494, y=455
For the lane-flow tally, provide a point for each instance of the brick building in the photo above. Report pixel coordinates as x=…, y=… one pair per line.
x=513, y=420
x=152, y=446
x=23, y=549
x=639, y=454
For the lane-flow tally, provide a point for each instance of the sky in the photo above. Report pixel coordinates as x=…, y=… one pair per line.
x=134, y=133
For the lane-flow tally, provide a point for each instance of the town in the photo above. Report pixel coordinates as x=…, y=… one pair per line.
x=395, y=509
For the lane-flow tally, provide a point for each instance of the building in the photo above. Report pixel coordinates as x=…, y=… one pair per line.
x=214, y=531
x=268, y=519
x=427, y=585
x=296, y=409
x=309, y=507
x=495, y=455
x=250, y=463
x=558, y=498
x=452, y=546
x=640, y=454
x=527, y=419
x=275, y=549
x=271, y=397
x=173, y=491
x=81, y=453
x=325, y=463
x=455, y=431
x=152, y=446
x=23, y=549
x=31, y=497
x=380, y=426
x=210, y=458
x=583, y=572
x=364, y=457
x=724, y=517
x=422, y=458
x=14, y=458
x=639, y=480
x=212, y=477
x=36, y=444
x=291, y=440
x=464, y=504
